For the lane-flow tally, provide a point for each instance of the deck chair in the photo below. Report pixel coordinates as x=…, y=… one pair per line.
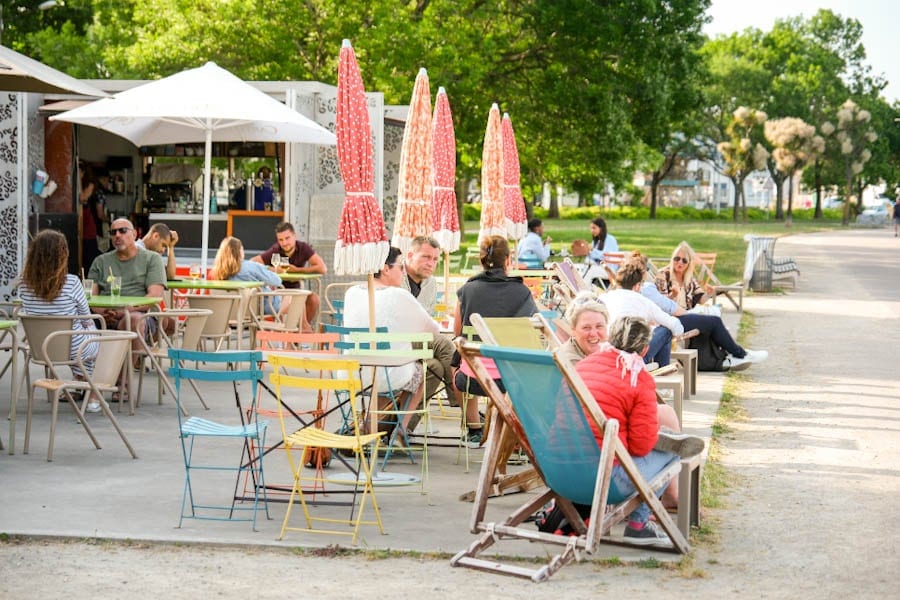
x=336, y=375
x=245, y=428
x=405, y=344
x=551, y=412
x=706, y=262
x=99, y=378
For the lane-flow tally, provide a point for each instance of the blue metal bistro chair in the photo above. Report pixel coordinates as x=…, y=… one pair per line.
x=246, y=427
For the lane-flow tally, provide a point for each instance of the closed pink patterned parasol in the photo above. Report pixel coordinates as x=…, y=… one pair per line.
x=443, y=207
x=362, y=243
x=516, y=220
x=414, y=183
x=492, y=179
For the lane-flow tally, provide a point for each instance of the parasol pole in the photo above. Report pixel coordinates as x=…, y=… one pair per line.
x=207, y=167
x=446, y=279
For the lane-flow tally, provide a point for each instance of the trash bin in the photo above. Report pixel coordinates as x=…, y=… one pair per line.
x=762, y=249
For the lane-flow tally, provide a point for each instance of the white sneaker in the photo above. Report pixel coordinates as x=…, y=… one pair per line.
x=756, y=356
x=732, y=363
x=93, y=407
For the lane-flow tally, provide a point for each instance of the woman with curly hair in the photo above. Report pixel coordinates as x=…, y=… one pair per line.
x=47, y=289
x=230, y=264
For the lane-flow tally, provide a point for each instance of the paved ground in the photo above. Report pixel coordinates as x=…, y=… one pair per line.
x=812, y=512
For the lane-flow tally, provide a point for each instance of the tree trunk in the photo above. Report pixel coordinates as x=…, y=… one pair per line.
x=462, y=190
x=789, y=219
x=818, y=184
x=654, y=191
x=553, y=211
x=845, y=220
x=738, y=192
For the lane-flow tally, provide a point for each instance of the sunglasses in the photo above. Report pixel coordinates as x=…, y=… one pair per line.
x=681, y=260
x=120, y=230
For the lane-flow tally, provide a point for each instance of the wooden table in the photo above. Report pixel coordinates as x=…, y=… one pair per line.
x=244, y=288
x=116, y=303
x=11, y=328
x=307, y=277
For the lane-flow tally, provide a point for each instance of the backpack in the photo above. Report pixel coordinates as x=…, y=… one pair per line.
x=552, y=520
x=709, y=355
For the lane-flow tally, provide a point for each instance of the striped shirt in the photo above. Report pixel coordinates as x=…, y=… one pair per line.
x=70, y=301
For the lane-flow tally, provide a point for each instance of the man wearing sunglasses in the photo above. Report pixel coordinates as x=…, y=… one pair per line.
x=142, y=273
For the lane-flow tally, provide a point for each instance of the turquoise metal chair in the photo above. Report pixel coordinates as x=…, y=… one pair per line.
x=235, y=366
x=554, y=417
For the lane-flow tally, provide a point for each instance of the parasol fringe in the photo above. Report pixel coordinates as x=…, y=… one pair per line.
x=448, y=240
x=359, y=259
x=515, y=230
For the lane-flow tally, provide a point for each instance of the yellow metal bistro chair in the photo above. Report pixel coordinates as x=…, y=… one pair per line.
x=332, y=375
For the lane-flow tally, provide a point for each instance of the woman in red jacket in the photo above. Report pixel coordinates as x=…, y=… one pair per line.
x=625, y=391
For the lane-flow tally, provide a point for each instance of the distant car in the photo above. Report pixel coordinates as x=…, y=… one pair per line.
x=874, y=215
x=833, y=202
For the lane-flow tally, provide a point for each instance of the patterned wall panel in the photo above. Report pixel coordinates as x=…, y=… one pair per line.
x=9, y=194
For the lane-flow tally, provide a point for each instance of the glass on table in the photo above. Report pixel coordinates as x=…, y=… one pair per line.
x=88, y=286
x=195, y=271
x=276, y=261
x=115, y=286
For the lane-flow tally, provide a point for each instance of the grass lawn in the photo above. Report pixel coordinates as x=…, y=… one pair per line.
x=658, y=238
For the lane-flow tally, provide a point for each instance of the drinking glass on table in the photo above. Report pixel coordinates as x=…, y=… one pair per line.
x=115, y=286
x=195, y=271
x=88, y=286
x=276, y=261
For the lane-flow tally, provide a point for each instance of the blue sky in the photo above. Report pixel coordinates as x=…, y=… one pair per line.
x=880, y=20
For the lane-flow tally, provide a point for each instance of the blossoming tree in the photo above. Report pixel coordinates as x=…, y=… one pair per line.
x=742, y=152
x=850, y=136
x=796, y=145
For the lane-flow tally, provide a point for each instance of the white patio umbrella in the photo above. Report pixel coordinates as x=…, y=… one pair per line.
x=207, y=104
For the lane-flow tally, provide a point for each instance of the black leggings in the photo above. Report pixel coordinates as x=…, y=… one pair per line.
x=470, y=385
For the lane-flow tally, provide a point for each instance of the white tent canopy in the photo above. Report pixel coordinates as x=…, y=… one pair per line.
x=207, y=104
x=18, y=73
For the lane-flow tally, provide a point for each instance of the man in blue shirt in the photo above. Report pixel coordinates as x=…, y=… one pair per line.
x=532, y=245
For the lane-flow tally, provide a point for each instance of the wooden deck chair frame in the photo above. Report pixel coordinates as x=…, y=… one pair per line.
x=706, y=262
x=337, y=375
x=248, y=428
x=590, y=532
x=99, y=378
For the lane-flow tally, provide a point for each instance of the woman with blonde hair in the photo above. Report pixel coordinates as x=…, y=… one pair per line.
x=588, y=317
x=47, y=289
x=677, y=279
x=230, y=264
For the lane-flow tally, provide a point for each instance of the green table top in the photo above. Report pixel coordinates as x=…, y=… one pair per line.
x=299, y=276
x=5, y=324
x=211, y=284
x=122, y=301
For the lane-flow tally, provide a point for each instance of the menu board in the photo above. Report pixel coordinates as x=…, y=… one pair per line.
x=255, y=228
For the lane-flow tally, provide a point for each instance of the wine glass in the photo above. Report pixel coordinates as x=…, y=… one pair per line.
x=195, y=271
x=276, y=261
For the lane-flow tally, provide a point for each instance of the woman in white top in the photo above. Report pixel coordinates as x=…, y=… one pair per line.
x=627, y=301
x=398, y=311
